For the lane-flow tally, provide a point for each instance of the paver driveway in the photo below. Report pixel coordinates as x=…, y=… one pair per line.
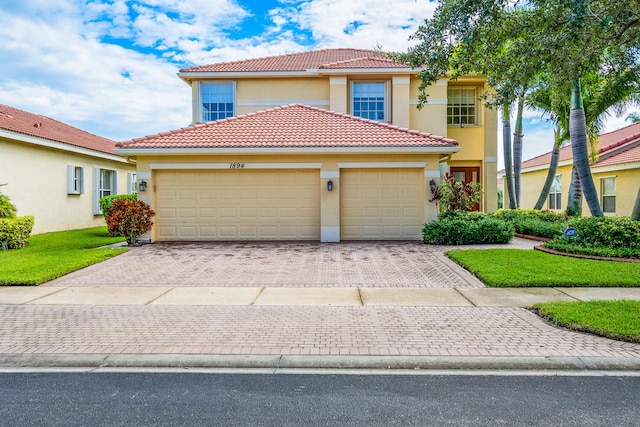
x=281, y=264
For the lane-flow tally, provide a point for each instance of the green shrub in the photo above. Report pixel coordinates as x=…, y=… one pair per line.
x=462, y=215
x=612, y=232
x=458, y=195
x=467, y=232
x=569, y=245
x=533, y=222
x=14, y=232
x=130, y=219
x=7, y=209
x=106, y=201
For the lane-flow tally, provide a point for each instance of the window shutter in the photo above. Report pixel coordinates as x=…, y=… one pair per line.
x=115, y=182
x=96, y=191
x=81, y=179
x=70, y=170
x=130, y=183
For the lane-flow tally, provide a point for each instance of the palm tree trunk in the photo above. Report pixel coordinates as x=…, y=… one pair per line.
x=635, y=213
x=551, y=173
x=517, y=151
x=574, y=201
x=506, y=146
x=578, y=135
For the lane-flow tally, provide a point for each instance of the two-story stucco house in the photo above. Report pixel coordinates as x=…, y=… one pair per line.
x=616, y=174
x=56, y=172
x=324, y=145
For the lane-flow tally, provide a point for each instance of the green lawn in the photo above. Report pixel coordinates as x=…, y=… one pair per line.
x=526, y=268
x=52, y=255
x=613, y=319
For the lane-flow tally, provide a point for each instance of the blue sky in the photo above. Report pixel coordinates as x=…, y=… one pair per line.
x=109, y=66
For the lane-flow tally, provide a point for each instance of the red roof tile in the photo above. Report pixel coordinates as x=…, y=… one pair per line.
x=611, y=149
x=39, y=126
x=313, y=60
x=291, y=126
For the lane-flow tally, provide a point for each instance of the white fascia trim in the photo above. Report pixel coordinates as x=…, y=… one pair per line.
x=16, y=136
x=430, y=101
x=290, y=150
x=271, y=103
x=615, y=168
x=369, y=71
x=330, y=174
x=379, y=165
x=205, y=75
x=401, y=80
x=227, y=165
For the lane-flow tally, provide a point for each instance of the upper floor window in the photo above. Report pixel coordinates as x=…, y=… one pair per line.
x=462, y=105
x=370, y=100
x=216, y=101
x=608, y=188
x=555, y=194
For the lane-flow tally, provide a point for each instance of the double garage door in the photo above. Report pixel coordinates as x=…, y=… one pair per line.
x=285, y=204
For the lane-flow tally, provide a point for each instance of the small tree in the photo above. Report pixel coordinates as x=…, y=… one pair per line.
x=130, y=219
x=459, y=195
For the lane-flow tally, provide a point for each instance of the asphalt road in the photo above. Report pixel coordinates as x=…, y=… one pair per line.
x=185, y=399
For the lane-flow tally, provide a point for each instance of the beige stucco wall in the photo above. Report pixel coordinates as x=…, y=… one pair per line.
x=329, y=170
x=627, y=181
x=36, y=179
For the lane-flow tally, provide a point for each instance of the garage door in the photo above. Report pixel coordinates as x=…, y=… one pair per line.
x=382, y=204
x=238, y=205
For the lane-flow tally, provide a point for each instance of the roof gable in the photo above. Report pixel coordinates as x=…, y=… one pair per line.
x=312, y=60
x=291, y=126
x=38, y=126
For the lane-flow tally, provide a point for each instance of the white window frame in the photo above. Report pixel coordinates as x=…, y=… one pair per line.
x=199, y=101
x=132, y=183
x=99, y=188
x=608, y=195
x=387, y=98
x=75, y=180
x=456, y=118
x=555, y=193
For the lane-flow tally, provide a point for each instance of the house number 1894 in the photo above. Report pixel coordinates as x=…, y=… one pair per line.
x=236, y=165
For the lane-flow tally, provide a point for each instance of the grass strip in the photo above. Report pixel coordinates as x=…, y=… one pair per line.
x=52, y=255
x=509, y=268
x=619, y=319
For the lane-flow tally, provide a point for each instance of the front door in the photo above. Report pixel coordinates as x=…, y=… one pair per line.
x=466, y=174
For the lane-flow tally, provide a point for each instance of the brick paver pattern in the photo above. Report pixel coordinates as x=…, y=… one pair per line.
x=288, y=330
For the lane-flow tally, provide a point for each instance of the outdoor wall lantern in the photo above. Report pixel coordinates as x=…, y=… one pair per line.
x=329, y=185
x=142, y=187
x=433, y=186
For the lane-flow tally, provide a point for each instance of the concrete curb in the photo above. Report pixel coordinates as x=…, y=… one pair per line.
x=282, y=362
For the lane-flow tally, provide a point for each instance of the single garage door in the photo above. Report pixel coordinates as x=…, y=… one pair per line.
x=238, y=205
x=386, y=204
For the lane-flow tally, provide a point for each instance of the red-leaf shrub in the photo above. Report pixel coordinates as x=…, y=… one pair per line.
x=130, y=219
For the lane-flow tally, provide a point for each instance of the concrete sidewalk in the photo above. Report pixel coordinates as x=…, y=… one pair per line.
x=88, y=320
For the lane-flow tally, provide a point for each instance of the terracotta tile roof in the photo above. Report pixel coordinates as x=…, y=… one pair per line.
x=291, y=126
x=313, y=60
x=611, y=149
x=39, y=126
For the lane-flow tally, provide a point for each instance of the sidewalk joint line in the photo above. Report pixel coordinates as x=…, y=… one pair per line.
x=257, y=296
x=570, y=296
x=360, y=296
x=159, y=296
x=44, y=296
x=464, y=296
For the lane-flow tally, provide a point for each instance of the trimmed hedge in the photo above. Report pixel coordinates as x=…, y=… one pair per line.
x=476, y=228
x=14, y=232
x=107, y=201
x=535, y=223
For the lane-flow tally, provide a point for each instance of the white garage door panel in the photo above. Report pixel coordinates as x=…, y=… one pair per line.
x=238, y=205
x=383, y=204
